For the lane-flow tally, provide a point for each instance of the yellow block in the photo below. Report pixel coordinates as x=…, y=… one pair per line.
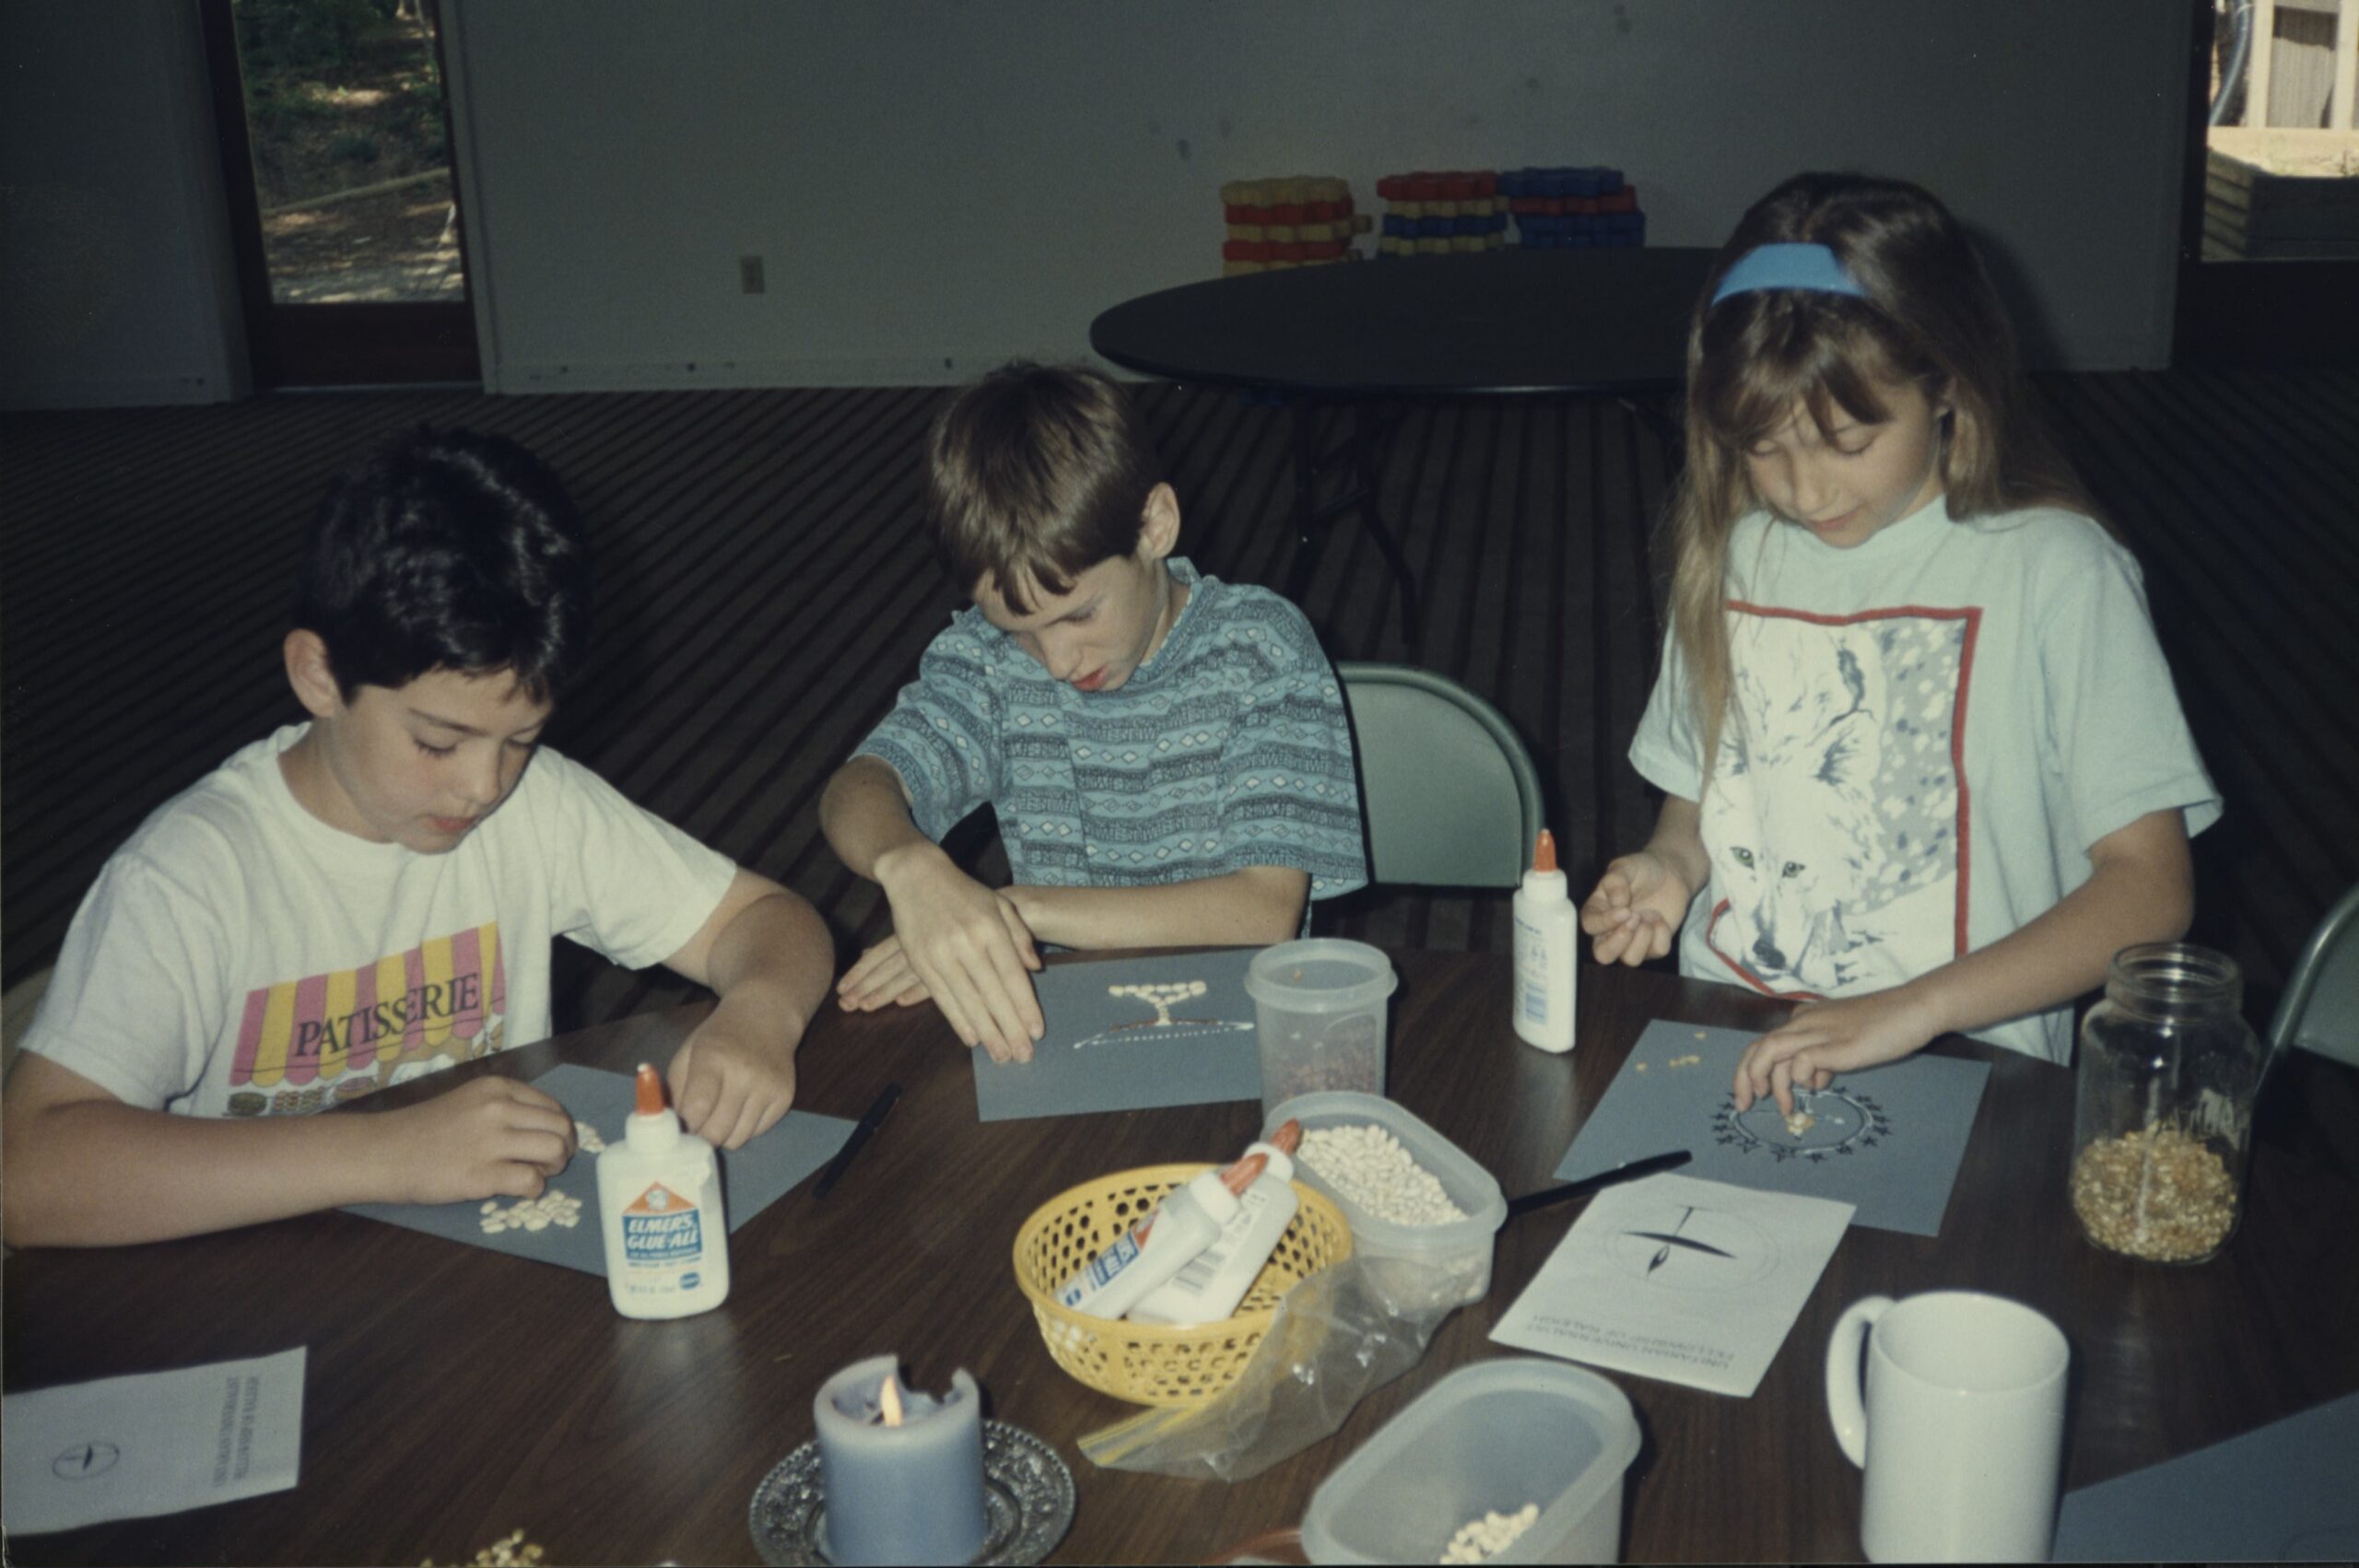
x=1407, y=209
x=1281, y=233
x=1465, y=242
x=1246, y=231
x=1232, y=269
x=1433, y=245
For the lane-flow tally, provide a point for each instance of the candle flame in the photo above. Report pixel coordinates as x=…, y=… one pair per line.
x=888, y=1402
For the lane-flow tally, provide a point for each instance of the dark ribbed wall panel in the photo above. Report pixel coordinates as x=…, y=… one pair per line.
x=765, y=585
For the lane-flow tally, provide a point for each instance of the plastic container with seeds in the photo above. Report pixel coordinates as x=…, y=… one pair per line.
x=2163, y=1125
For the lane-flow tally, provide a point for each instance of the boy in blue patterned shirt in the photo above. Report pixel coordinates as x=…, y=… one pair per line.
x=1166, y=752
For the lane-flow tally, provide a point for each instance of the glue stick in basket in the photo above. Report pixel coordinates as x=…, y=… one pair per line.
x=1188, y=1221
x=1209, y=1288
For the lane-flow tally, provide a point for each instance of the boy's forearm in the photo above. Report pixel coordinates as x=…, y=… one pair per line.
x=2063, y=953
x=865, y=812
x=776, y=956
x=99, y=1173
x=1257, y=905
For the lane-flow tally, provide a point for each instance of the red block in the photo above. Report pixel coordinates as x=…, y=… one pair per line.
x=1287, y=213
x=1245, y=250
x=1289, y=251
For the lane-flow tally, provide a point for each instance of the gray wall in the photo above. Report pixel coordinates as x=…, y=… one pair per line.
x=117, y=284
x=936, y=186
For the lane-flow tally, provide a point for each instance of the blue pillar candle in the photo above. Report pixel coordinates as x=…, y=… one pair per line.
x=906, y=1493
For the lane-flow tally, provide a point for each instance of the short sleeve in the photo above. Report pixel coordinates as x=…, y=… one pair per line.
x=625, y=882
x=2116, y=734
x=943, y=736
x=139, y=978
x=1666, y=751
x=1289, y=792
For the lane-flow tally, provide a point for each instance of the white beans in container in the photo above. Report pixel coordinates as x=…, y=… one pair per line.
x=1367, y=1165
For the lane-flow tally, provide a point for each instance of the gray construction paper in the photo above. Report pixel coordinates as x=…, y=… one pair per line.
x=1887, y=1140
x=2280, y=1493
x=1108, y=1052
x=752, y=1178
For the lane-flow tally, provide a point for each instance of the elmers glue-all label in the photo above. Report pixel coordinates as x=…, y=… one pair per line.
x=1121, y=1255
x=662, y=1229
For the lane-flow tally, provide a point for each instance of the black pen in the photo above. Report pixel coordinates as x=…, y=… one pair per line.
x=1586, y=1185
x=877, y=1108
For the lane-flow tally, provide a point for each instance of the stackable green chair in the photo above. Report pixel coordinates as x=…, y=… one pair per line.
x=1449, y=794
x=2319, y=1010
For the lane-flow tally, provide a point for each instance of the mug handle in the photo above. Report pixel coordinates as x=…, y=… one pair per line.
x=1845, y=1407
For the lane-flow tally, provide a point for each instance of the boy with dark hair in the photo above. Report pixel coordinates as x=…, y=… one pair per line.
x=1166, y=753
x=370, y=896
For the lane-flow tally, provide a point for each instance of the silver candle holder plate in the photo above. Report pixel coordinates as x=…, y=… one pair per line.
x=1028, y=1502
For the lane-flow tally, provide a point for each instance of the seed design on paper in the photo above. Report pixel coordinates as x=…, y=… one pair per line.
x=1163, y=1028
x=1826, y=1124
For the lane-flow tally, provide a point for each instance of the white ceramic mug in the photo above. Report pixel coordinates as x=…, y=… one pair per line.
x=1962, y=1429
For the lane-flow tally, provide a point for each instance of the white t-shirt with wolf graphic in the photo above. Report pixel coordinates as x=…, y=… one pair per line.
x=238, y=956
x=1928, y=733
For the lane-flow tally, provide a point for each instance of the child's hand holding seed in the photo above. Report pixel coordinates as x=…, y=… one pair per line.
x=731, y=1081
x=491, y=1138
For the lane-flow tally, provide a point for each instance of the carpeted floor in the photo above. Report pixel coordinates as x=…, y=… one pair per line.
x=765, y=587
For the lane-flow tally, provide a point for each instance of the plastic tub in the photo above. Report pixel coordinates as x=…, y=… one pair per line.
x=1320, y=1008
x=1489, y=1438
x=1461, y=1250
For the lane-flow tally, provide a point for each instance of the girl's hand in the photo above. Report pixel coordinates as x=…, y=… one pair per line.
x=1638, y=904
x=1824, y=1038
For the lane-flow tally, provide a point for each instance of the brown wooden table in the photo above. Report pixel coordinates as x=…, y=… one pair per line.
x=455, y=1394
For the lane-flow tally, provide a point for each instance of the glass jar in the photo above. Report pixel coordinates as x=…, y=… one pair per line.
x=2163, y=1124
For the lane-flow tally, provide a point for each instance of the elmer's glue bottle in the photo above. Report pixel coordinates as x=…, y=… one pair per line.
x=659, y=1197
x=1545, y=936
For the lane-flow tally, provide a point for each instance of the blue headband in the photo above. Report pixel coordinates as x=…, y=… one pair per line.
x=1811, y=267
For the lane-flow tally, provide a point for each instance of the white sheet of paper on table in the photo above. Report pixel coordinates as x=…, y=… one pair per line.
x=1692, y=1281
x=154, y=1443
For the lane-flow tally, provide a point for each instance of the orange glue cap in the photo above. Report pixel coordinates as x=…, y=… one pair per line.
x=650, y=1091
x=1543, y=854
x=1244, y=1173
x=1288, y=1138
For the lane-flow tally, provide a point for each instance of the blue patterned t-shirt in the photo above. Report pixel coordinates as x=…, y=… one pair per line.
x=1227, y=749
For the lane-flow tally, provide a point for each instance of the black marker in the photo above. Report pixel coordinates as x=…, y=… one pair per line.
x=861, y=1134
x=1586, y=1185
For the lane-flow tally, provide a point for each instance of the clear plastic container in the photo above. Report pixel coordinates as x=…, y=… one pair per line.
x=1490, y=1437
x=1461, y=1250
x=1320, y=1009
x=2163, y=1123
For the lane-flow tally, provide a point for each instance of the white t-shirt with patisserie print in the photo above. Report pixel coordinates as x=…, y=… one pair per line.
x=238, y=956
x=1927, y=733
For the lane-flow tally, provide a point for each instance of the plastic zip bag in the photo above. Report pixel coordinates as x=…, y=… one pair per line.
x=1343, y=1332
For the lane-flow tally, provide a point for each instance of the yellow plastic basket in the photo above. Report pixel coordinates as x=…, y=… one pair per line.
x=1152, y=1363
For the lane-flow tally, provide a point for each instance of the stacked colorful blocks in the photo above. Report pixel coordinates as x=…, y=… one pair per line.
x=1563, y=207
x=1293, y=221
x=1430, y=214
